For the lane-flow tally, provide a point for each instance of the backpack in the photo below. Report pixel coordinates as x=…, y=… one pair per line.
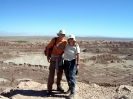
x=50, y=49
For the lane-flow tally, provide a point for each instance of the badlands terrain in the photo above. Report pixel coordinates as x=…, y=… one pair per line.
x=106, y=68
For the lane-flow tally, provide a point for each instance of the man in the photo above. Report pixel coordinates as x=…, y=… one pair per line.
x=55, y=60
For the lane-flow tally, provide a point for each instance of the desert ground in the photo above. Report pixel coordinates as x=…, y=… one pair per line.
x=106, y=63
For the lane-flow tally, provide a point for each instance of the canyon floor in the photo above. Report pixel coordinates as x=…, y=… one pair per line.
x=106, y=65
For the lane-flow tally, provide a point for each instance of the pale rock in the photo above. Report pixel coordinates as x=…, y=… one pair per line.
x=2, y=97
x=125, y=92
x=28, y=85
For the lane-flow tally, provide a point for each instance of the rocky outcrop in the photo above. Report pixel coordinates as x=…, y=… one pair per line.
x=93, y=46
x=7, y=55
x=103, y=59
x=129, y=57
x=22, y=45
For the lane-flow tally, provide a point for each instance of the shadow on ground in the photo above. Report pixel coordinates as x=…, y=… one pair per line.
x=40, y=93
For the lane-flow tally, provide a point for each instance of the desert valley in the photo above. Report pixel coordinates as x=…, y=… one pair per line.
x=106, y=68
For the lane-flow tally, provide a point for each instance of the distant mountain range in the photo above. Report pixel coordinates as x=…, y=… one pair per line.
x=105, y=38
x=4, y=33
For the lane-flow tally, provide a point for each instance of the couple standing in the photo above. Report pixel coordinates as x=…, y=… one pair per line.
x=71, y=51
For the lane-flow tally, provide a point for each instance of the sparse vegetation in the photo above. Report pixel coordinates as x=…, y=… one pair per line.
x=20, y=41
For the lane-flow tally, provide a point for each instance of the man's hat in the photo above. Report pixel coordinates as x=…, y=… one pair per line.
x=62, y=31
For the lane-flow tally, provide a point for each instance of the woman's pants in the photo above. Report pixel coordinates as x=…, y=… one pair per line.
x=70, y=72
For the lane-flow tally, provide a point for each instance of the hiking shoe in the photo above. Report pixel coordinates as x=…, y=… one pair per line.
x=71, y=95
x=49, y=94
x=59, y=88
x=68, y=91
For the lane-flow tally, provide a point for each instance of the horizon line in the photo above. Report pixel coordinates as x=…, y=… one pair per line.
x=54, y=35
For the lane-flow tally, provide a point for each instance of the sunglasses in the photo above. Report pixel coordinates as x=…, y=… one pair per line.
x=70, y=38
x=62, y=34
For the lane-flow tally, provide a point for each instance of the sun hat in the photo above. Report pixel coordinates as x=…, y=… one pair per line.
x=72, y=36
x=62, y=31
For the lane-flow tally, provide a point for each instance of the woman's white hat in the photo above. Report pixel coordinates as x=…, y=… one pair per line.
x=72, y=36
x=62, y=31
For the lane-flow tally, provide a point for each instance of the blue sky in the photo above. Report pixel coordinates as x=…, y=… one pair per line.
x=106, y=18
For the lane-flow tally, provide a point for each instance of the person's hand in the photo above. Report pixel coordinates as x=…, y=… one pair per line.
x=77, y=67
x=48, y=59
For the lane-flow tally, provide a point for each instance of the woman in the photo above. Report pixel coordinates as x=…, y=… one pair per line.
x=71, y=63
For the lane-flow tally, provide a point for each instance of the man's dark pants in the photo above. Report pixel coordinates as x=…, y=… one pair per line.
x=52, y=74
